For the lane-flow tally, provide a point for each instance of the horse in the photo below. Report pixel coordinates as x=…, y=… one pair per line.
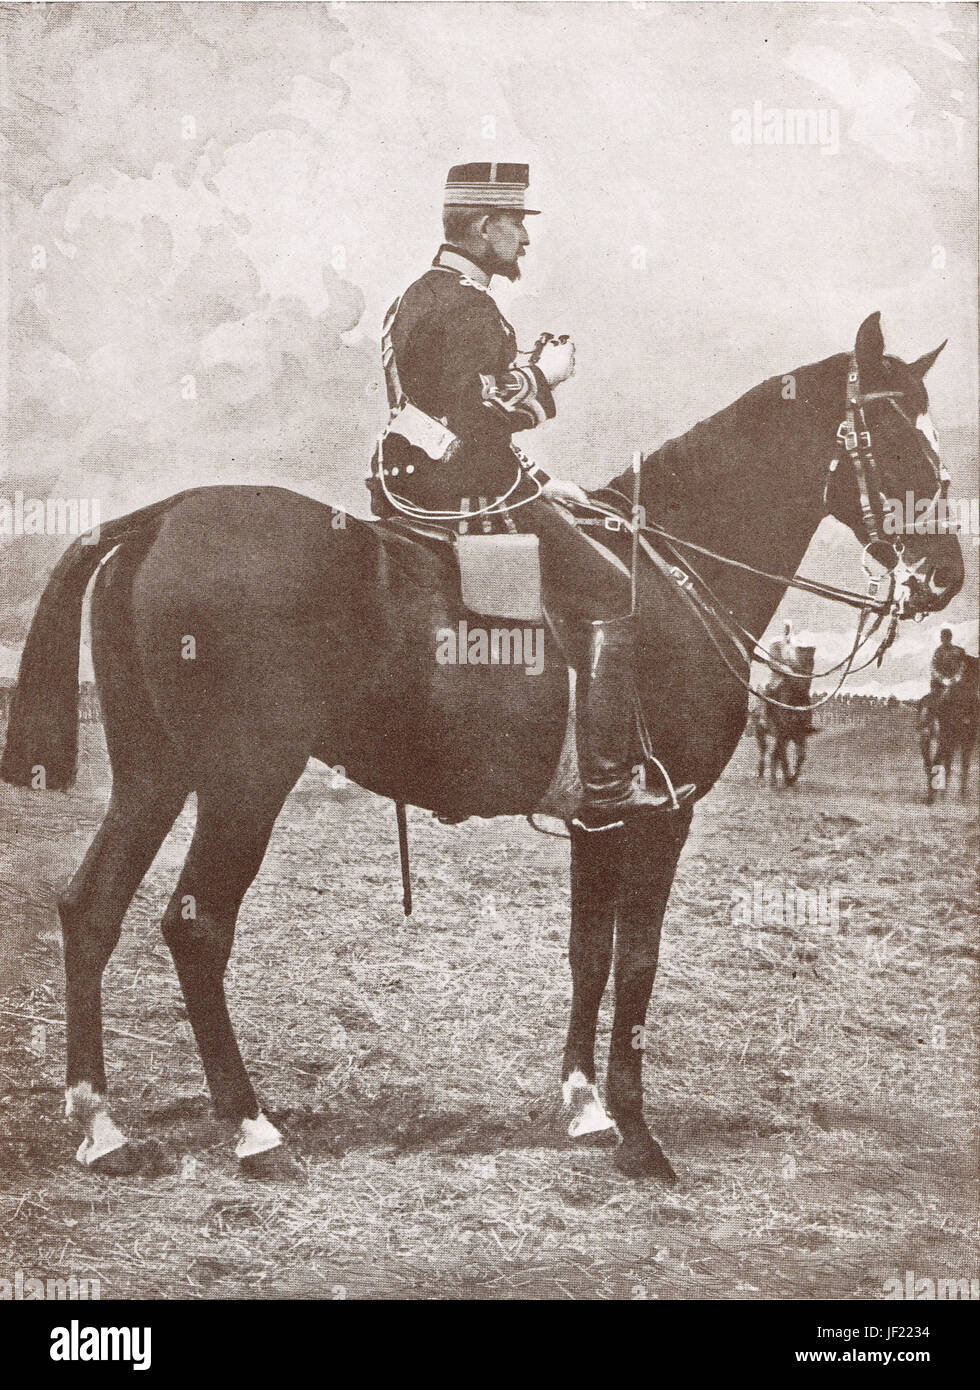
x=946, y=724
x=238, y=631
x=785, y=727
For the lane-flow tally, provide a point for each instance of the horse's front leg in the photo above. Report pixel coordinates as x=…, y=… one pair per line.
x=647, y=876
x=596, y=860
x=947, y=766
x=925, y=747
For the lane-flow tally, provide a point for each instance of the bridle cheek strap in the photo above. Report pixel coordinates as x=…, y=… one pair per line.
x=854, y=435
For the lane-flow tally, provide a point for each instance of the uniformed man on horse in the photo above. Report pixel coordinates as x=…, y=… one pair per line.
x=458, y=391
x=945, y=671
x=948, y=663
x=792, y=672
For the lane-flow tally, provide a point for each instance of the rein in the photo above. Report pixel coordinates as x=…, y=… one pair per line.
x=855, y=437
x=615, y=521
x=706, y=612
x=706, y=604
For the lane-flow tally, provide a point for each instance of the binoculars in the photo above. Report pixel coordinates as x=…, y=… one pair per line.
x=543, y=341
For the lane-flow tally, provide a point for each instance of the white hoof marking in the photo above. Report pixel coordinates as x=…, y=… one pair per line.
x=257, y=1137
x=590, y=1120
x=102, y=1133
x=589, y=1114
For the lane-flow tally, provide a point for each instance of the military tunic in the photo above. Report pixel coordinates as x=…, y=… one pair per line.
x=456, y=359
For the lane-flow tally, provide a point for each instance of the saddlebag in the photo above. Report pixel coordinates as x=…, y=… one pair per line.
x=500, y=576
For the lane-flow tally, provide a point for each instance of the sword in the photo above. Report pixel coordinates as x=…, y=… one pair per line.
x=634, y=554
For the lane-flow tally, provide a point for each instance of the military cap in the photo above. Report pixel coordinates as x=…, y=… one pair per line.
x=489, y=186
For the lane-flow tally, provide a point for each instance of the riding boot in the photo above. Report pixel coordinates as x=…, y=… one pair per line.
x=605, y=725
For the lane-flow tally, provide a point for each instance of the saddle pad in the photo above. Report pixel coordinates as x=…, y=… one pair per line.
x=500, y=576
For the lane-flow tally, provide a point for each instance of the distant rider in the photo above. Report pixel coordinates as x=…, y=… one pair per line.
x=948, y=663
x=945, y=670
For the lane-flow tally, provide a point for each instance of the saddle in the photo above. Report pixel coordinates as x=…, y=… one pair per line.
x=426, y=533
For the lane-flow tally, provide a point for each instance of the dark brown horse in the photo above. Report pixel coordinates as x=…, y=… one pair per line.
x=947, y=725
x=239, y=631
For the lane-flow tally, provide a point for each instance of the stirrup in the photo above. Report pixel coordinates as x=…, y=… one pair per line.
x=666, y=807
x=649, y=757
x=578, y=824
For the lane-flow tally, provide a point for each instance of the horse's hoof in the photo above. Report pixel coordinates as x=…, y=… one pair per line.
x=146, y=1157
x=596, y=1139
x=645, y=1161
x=273, y=1165
x=117, y=1163
x=155, y=1158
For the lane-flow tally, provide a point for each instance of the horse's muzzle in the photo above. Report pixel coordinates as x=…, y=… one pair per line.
x=935, y=576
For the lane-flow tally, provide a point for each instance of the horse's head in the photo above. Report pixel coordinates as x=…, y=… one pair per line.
x=888, y=483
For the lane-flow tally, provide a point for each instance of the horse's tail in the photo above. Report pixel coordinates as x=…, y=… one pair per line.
x=42, y=732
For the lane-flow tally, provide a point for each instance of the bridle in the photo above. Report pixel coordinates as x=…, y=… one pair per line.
x=854, y=436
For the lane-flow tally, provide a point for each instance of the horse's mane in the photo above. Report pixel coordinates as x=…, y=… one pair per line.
x=713, y=449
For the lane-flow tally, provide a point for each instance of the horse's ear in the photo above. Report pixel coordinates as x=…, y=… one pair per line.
x=922, y=365
x=869, y=345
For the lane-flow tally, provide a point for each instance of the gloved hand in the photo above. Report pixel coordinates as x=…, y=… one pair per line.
x=558, y=490
x=556, y=360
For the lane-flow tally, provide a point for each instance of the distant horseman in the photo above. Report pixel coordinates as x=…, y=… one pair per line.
x=792, y=685
x=948, y=663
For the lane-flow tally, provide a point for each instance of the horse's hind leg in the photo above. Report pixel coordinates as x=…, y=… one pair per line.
x=148, y=791
x=234, y=822
x=92, y=910
x=777, y=761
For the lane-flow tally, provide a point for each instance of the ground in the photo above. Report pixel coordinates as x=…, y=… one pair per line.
x=812, y=1082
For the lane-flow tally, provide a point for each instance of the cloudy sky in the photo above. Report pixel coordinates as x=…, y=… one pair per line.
x=209, y=207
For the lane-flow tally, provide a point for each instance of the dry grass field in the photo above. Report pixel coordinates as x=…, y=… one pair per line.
x=815, y=1089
